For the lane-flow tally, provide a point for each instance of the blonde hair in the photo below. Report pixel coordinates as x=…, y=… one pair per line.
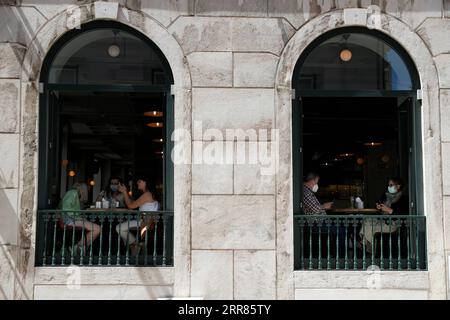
x=82, y=190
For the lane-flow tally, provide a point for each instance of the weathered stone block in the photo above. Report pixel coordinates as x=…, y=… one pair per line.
x=155, y=276
x=445, y=114
x=202, y=33
x=211, y=69
x=260, y=35
x=255, y=275
x=443, y=67
x=355, y=17
x=446, y=168
x=9, y=149
x=411, y=12
x=51, y=8
x=212, y=274
x=414, y=13
x=102, y=292
x=447, y=8
x=255, y=167
x=362, y=280
x=296, y=12
x=360, y=294
x=247, y=8
x=19, y=24
x=8, y=258
x=436, y=33
x=255, y=69
x=447, y=222
x=11, y=57
x=106, y=10
x=9, y=105
x=235, y=109
x=9, y=217
x=164, y=11
x=231, y=34
x=208, y=175
x=233, y=222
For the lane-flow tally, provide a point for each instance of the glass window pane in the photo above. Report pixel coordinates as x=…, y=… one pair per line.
x=354, y=61
x=107, y=56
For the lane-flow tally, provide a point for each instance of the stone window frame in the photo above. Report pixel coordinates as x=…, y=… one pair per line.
x=45, y=37
x=289, y=280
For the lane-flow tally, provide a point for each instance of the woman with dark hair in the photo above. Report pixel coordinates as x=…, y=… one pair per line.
x=146, y=202
x=392, y=202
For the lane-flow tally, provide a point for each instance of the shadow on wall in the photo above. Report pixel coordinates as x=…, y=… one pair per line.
x=9, y=225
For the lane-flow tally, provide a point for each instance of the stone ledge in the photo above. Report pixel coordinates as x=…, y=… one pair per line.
x=360, y=294
x=105, y=275
x=360, y=279
x=101, y=292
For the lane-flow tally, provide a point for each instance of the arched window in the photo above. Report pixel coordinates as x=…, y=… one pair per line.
x=106, y=114
x=356, y=124
x=354, y=61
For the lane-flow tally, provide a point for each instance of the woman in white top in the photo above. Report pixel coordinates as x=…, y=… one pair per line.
x=146, y=202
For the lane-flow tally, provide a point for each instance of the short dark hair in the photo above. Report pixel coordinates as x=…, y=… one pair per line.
x=116, y=178
x=311, y=175
x=397, y=180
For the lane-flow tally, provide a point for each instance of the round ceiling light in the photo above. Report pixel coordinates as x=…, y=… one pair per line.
x=153, y=114
x=346, y=55
x=155, y=125
x=114, y=50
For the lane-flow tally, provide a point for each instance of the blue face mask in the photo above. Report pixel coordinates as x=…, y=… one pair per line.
x=114, y=187
x=392, y=190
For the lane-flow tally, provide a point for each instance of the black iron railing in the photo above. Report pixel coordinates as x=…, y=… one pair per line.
x=104, y=238
x=357, y=242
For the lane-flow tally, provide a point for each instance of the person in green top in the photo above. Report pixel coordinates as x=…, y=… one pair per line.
x=73, y=200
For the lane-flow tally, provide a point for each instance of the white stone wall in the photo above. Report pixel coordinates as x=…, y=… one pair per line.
x=232, y=63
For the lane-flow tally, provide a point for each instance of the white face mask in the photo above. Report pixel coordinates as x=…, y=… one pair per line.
x=315, y=188
x=392, y=189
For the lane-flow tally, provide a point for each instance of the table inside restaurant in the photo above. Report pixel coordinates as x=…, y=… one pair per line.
x=354, y=211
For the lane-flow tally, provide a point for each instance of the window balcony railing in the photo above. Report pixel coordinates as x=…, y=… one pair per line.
x=356, y=242
x=126, y=238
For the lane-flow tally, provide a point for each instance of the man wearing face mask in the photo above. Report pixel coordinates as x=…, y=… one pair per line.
x=311, y=204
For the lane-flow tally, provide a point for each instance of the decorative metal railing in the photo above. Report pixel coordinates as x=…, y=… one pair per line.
x=63, y=238
x=359, y=242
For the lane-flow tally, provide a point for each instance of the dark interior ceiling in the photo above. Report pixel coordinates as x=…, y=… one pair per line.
x=113, y=125
x=342, y=122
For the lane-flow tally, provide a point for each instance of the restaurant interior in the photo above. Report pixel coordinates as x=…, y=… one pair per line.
x=109, y=134
x=355, y=144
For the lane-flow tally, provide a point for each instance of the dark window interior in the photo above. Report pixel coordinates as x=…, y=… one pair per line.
x=355, y=144
x=105, y=134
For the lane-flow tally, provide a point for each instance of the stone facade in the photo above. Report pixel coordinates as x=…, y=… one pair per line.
x=232, y=63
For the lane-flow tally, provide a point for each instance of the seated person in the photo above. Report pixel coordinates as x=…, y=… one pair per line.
x=74, y=200
x=311, y=204
x=146, y=202
x=393, y=202
x=112, y=193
